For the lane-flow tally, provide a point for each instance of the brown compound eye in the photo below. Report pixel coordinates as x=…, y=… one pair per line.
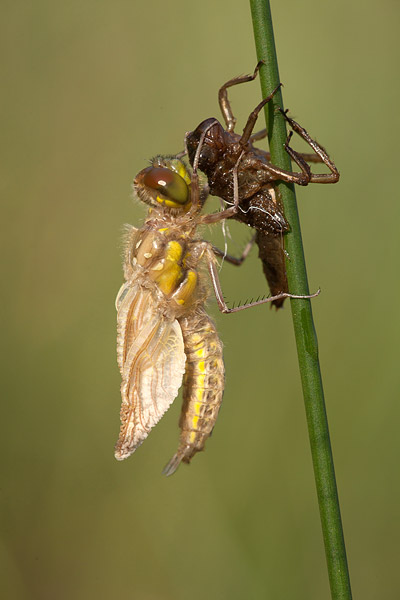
x=168, y=183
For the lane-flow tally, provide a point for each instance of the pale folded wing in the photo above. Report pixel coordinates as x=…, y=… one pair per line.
x=152, y=362
x=135, y=306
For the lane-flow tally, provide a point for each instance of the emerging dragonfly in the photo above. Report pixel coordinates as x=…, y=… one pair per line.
x=226, y=157
x=164, y=333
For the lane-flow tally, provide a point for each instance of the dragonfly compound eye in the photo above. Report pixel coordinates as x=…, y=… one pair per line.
x=173, y=190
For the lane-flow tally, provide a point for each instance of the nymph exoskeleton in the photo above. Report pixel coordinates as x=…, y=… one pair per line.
x=226, y=156
x=165, y=335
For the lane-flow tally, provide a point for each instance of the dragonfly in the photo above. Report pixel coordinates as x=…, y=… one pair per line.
x=244, y=177
x=165, y=336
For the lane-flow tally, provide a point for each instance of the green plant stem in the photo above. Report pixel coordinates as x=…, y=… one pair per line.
x=306, y=339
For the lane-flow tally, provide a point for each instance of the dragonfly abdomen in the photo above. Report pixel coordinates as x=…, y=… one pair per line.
x=203, y=386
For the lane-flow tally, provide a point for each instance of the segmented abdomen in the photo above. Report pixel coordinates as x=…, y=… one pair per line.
x=203, y=386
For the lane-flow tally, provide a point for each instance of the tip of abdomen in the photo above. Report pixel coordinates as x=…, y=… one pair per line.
x=173, y=464
x=184, y=454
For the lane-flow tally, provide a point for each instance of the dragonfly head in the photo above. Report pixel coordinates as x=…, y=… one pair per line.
x=165, y=184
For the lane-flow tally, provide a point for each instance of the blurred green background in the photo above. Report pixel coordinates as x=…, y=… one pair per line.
x=91, y=90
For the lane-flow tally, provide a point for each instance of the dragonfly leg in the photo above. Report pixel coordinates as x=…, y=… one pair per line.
x=223, y=307
x=235, y=260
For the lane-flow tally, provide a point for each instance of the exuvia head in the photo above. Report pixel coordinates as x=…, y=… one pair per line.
x=213, y=145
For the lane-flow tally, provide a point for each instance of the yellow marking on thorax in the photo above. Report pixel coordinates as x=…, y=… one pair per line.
x=187, y=288
x=174, y=251
x=170, y=272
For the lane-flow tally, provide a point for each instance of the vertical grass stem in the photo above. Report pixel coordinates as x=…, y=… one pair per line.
x=306, y=339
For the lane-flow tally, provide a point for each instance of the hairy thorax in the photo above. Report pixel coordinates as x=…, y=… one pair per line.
x=165, y=257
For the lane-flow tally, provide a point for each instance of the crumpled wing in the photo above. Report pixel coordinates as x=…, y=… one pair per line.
x=135, y=306
x=152, y=362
